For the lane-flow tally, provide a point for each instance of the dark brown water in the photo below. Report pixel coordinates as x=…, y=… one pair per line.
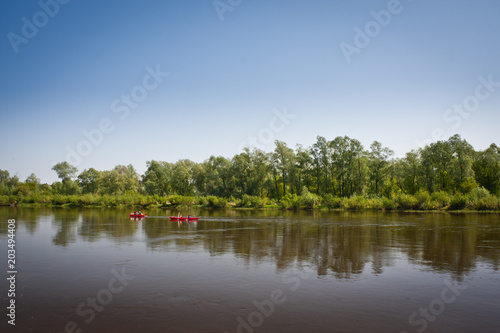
x=96, y=270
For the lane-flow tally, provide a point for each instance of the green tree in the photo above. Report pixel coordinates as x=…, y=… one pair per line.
x=437, y=166
x=283, y=160
x=119, y=180
x=156, y=179
x=379, y=164
x=7, y=184
x=347, y=165
x=65, y=171
x=427, y=169
x=340, y=160
x=213, y=177
x=32, y=182
x=111, y=183
x=241, y=172
x=463, y=155
x=410, y=166
x=4, y=176
x=129, y=177
x=182, y=177
x=90, y=180
x=358, y=167
x=321, y=157
x=487, y=169
x=304, y=166
x=259, y=172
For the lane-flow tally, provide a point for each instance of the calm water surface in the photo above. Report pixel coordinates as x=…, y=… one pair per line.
x=95, y=270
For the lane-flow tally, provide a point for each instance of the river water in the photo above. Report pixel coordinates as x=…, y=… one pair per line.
x=96, y=270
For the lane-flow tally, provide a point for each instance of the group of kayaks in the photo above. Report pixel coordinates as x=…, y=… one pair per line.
x=183, y=218
x=172, y=218
x=137, y=215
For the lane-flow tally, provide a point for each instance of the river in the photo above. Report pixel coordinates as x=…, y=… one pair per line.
x=96, y=270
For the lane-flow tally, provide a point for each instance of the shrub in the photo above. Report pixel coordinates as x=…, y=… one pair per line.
x=423, y=197
x=459, y=201
x=74, y=201
x=59, y=199
x=201, y=201
x=250, y=201
x=290, y=201
x=33, y=198
x=388, y=204
x=308, y=199
x=356, y=202
x=489, y=203
x=216, y=202
x=481, y=199
x=479, y=193
x=4, y=200
x=87, y=200
x=177, y=200
x=334, y=202
x=430, y=204
x=259, y=202
x=406, y=201
x=110, y=200
x=143, y=201
x=328, y=199
x=245, y=201
x=375, y=203
x=441, y=198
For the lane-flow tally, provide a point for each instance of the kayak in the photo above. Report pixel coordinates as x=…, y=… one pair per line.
x=184, y=218
x=137, y=215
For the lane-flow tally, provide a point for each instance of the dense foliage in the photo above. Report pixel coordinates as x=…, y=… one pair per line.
x=339, y=173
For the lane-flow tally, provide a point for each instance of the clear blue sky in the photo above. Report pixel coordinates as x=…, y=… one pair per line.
x=227, y=77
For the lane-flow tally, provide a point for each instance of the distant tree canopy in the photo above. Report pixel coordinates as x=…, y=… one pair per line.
x=337, y=168
x=65, y=171
x=117, y=181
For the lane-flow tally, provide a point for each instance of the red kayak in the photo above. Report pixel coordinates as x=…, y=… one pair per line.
x=137, y=215
x=184, y=218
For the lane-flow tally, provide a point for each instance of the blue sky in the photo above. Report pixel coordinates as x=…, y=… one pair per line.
x=232, y=69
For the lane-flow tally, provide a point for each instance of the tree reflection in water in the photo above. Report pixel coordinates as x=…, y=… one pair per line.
x=341, y=244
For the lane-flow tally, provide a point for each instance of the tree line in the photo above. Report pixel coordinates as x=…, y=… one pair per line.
x=338, y=168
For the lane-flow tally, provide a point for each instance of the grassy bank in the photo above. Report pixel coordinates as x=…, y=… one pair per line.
x=477, y=200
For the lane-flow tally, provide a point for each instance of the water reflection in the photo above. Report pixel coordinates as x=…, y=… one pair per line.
x=106, y=223
x=65, y=222
x=341, y=244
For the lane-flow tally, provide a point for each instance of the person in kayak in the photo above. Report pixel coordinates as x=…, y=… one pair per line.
x=179, y=215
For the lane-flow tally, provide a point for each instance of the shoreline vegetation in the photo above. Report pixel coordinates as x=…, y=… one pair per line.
x=476, y=201
x=338, y=174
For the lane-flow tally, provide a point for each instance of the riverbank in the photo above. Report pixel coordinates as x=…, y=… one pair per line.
x=423, y=201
